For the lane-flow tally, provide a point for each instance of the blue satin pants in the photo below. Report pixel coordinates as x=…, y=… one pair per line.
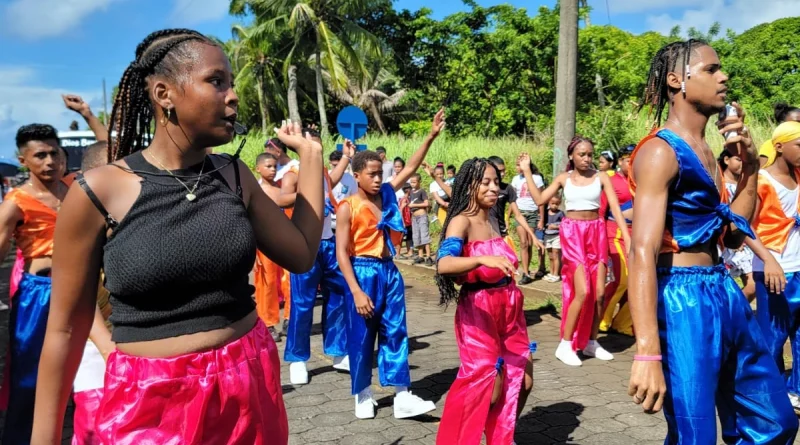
x=326, y=273
x=714, y=356
x=382, y=282
x=27, y=326
x=779, y=318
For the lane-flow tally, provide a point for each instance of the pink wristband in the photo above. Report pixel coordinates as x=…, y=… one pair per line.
x=647, y=358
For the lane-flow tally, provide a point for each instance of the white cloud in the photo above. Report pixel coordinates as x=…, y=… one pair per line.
x=192, y=12
x=23, y=101
x=738, y=15
x=634, y=6
x=36, y=19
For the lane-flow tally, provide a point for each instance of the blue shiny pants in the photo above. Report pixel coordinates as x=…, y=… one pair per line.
x=382, y=282
x=326, y=273
x=779, y=318
x=714, y=356
x=27, y=326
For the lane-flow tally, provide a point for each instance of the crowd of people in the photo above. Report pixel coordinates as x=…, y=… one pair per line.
x=131, y=291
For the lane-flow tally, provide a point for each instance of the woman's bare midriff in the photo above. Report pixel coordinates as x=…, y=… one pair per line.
x=583, y=215
x=187, y=344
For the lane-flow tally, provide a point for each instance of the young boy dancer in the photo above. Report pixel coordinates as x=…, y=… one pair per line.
x=777, y=224
x=270, y=287
x=325, y=274
x=700, y=351
x=369, y=225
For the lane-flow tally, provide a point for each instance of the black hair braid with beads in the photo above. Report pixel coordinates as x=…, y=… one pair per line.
x=132, y=113
x=657, y=92
x=465, y=190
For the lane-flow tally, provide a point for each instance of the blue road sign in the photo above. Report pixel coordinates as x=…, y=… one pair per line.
x=352, y=124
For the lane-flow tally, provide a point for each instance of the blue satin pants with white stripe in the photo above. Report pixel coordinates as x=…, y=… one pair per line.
x=325, y=274
x=714, y=356
x=27, y=325
x=383, y=283
x=779, y=318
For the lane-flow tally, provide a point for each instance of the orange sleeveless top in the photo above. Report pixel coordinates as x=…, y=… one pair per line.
x=771, y=224
x=34, y=236
x=367, y=240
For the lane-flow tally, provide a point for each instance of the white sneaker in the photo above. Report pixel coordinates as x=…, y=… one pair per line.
x=567, y=356
x=365, y=405
x=408, y=405
x=593, y=349
x=795, y=400
x=298, y=373
x=342, y=363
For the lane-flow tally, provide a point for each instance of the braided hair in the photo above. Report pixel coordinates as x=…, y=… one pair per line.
x=162, y=53
x=657, y=93
x=465, y=189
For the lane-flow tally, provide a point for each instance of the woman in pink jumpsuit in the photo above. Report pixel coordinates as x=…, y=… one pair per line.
x=496, y=371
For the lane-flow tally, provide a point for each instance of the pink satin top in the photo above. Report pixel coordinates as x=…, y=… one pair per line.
x=490, y=247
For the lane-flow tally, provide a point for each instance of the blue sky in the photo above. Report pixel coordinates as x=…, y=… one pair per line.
x=52, y=47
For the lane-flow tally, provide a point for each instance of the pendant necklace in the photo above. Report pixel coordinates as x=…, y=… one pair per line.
x=190, y=195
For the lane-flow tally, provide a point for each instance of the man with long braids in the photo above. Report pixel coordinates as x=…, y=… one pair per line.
x=699, y=348
x=28, y=216
x=176, y=231
x=325, y=274
x=368, y=226
x=496, y=373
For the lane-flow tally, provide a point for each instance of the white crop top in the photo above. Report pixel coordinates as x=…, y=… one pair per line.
x=587, y=197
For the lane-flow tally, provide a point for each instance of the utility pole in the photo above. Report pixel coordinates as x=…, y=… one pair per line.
x=105, y=104
x=566, y=82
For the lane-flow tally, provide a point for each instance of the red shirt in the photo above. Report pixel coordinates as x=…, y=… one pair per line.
x=621, y=189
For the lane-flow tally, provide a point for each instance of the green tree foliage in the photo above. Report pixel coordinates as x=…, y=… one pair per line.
x=493, y=67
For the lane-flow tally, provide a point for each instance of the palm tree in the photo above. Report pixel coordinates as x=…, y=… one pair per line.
x=254, y=56
x=367, y=92
x=323, y=27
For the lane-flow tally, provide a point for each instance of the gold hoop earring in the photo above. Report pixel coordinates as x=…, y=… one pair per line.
x=167, y=113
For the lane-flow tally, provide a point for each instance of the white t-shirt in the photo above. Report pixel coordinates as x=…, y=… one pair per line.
x=347, y=186
x=388, y=170
x=434, y=188
x=790, y=258
x=525, y=201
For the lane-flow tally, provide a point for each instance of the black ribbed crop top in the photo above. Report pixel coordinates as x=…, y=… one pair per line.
x=174, y=266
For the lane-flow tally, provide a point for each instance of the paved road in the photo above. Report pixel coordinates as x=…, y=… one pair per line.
x=586, y=405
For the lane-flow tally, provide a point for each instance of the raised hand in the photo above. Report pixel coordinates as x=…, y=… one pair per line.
x=438, y=123
x=742, y=142
x=427, y=168
x=76, y=104
x=292, y=135
x=348, y=148
x=524, y=161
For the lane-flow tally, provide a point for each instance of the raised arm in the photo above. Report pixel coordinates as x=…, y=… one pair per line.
x=539, y=197
x=76, y=104
x=292, y=244
x=744, y=202
x=654, y=169
x=444, y=186
x=79, y=234
x=348, y=150
x=416, y=159
x=613, y=204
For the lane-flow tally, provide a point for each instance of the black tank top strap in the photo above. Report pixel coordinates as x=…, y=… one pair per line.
x=236, y=176
x=110, y=221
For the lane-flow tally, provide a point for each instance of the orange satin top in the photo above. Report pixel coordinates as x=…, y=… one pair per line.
x=34, y=236
x=771, y=224
x=366, y=239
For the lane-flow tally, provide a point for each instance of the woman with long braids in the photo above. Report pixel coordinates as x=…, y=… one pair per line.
x=176, y=231
x=496, y=373
x=584, y=248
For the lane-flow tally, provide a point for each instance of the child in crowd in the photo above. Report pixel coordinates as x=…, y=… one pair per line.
x=738, y=261
x=406, y=212
x=533, y=215
x=419, y=205
x=451, y=175
x=440, y=199
x=369, y=225
x=552, y=239
x=267, y=276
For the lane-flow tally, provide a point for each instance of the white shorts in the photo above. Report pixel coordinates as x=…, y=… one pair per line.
x=92, y=370
x=552, y=241
x=738, y=262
